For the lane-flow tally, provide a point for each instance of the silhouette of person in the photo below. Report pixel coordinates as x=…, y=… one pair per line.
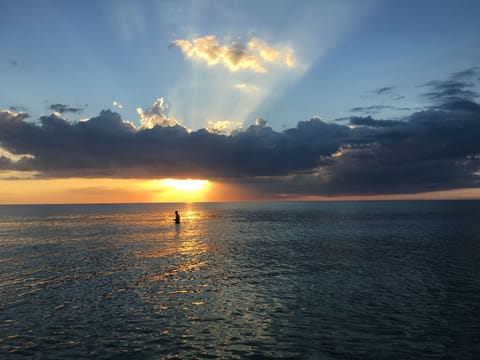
x=177, y=217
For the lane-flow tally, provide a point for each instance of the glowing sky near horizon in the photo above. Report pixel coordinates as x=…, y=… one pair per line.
x=225, y=65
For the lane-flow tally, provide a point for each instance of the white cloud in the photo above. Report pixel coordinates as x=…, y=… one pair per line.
x=156, y=115
x=117, y=105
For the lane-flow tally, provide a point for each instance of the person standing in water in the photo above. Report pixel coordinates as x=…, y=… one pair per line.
x=177, y=217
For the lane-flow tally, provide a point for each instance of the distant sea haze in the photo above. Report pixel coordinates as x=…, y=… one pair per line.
x=314, y=280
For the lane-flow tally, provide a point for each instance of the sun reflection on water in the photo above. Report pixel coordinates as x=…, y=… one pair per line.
x=181, y=246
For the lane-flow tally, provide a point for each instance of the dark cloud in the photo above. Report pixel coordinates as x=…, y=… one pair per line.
x=375, y=109
x=460, y=105
x=107, y=146
x=467, y=74
x=386, y=93
x=369, y=121
x=429, y=151
x=18, y=108
x=450, y=90
x=62, y=109
x=384, y=90
x=13, y=62
x=5, y=163
x=434, y=149
x=370, y=109
x=460, y=86
x=389, y=92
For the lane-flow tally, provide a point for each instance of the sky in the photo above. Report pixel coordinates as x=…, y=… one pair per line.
x=130, y=101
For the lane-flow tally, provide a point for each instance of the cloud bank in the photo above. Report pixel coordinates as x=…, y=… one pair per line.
x=434, y=149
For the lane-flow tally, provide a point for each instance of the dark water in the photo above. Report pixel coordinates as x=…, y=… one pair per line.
x=359, y=280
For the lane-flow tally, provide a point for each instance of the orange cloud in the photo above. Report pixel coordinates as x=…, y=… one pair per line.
x=235, y=56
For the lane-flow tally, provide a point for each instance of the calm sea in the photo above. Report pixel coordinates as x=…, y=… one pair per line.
x=329, y=280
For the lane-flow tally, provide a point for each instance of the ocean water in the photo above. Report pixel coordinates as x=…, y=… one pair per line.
x=327, y=280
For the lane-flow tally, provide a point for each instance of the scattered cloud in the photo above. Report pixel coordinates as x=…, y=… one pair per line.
x=467, y=74
x=374, y=109
x=370, y=109
x=18, y=109
x=384, y=90
x=62, y=109
x=13, y=62
x=117, y=105
x=254, y=56
x=460, y=86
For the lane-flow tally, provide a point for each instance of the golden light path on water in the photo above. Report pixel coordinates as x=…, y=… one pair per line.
x=184, y=244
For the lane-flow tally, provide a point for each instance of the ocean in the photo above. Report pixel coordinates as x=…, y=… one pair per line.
x=306, y=280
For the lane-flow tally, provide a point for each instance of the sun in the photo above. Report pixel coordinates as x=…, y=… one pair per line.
x=186, y=185
x=178, y=190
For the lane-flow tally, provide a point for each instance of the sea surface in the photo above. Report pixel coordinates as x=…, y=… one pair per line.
x=312, y=280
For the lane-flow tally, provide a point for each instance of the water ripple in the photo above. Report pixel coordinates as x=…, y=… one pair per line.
x=328, y=280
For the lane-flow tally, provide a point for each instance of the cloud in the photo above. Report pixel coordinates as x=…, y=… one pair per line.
x=18, y=109
x=62, y=109
x=450, y=90
x=384, y=90
x=370, y=109
x=13, y=117
x=460, y=86
x=261, y=123
x=225, y=127
x=107, y=146
x=157, y=115
x=434, y=149
x=429, y=151
x=290, y=58
x=117, y=105
x=460, y=105
x=466, y=74
x=369, y=121
x=254, y=56
x=374, y=109
x=13, y=62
